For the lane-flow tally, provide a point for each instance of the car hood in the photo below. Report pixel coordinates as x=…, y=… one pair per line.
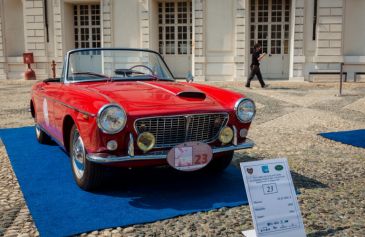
x=153, y=97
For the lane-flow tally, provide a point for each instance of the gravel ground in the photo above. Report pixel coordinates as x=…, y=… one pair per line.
x=329, y=175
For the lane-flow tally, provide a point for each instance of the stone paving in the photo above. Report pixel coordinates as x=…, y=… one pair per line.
x=329, y=175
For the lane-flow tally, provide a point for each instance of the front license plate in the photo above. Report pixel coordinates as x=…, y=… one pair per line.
x=190, y=156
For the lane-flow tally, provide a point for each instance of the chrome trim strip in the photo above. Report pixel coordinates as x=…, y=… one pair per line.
x=155, y=86
x=103, y=158
x=71, y=107
x=179, y=115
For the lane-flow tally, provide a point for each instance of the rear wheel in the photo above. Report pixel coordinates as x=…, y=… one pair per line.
x=42, y=137
x=87, y=174
x=220, y=162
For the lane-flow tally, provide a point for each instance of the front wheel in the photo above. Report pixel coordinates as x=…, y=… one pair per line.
x=87, y=175
x=220, y=162
x=41, y=136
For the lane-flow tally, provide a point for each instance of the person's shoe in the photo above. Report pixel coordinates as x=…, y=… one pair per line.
x=266, y=86
x=248, y=87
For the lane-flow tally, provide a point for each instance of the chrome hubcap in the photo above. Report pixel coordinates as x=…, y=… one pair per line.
x=78, y=155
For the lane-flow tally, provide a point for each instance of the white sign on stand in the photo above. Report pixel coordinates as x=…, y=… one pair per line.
x=272, y=198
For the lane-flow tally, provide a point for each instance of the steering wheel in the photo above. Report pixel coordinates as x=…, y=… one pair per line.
x=144, y=66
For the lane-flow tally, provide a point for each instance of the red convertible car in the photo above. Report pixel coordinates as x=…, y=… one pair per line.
x=123, y=107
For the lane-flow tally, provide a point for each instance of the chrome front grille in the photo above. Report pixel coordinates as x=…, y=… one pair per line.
x=172, y=130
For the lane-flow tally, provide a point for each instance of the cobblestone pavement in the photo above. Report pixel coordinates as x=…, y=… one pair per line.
x=329, y=175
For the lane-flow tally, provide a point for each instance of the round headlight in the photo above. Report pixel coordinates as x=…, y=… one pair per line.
x=146, y=141
x=111, y=119
x=245, y=110
x=226, y=135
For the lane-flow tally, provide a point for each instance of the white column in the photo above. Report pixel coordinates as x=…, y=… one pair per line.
x=240, y=37
x=58, y=35
x=144, y=23
x=2, y=48
x=106, y=23
x=297, y=58
x=198, y=43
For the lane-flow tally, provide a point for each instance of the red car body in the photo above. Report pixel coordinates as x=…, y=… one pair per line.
x=58, y=106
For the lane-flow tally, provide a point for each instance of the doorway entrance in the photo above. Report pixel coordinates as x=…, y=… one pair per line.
x=269, y=26
x=175, y=34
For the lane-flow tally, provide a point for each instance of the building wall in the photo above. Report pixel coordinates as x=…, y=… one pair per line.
x=324, y=53
x=126, y=24
x=35, y=35
x=219, y=53
x=220, y=44
x=14, y=29
x=354, y=37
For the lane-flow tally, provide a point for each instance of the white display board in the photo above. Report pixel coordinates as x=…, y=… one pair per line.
x=272, y=198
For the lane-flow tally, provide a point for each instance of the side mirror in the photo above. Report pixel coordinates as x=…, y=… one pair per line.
x=189, y=77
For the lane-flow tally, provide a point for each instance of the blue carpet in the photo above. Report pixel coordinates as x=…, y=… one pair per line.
x=60, y=208
x=353, y=138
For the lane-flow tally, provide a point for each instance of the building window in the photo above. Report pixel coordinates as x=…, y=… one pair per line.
x=175, y=27
x=87, y=26
x=270, y=25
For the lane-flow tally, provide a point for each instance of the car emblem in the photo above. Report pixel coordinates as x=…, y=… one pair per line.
x=279, y=167
x=249, y=170
x=265, y=169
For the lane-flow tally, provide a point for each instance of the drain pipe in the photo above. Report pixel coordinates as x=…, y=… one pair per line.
x=45, y=7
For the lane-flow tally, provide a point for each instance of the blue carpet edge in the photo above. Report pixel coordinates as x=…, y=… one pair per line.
x=330, y=136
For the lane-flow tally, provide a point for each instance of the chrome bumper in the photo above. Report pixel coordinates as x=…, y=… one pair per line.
x=104, y=158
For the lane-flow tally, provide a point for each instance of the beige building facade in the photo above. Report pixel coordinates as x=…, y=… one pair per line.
x=209, y=39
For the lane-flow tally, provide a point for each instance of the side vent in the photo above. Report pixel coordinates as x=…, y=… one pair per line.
x=192, y=94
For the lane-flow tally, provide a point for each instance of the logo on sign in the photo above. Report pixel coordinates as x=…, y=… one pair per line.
x=279, y=167
x=265, y=169
x=249, y=170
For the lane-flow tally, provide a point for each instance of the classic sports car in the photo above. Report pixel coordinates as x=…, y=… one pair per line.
x=123, y=107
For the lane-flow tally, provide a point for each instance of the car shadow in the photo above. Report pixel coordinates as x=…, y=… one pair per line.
x=328, y=232
x=301, y=181
x=163, y=187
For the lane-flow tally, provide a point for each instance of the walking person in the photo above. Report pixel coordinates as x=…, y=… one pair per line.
x=255, y=66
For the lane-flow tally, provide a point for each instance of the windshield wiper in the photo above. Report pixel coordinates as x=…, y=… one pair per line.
x=92, y=74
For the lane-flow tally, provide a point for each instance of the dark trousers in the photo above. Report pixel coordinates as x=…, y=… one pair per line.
x=255, y=70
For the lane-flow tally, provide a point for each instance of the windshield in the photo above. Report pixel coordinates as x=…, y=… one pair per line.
x=115, y=64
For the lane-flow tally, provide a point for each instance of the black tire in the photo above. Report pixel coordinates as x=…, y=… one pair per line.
x=88, y=175
x=219, y=162
x=41, y=136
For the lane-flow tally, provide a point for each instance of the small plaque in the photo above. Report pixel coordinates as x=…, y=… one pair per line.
x=190, y=156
